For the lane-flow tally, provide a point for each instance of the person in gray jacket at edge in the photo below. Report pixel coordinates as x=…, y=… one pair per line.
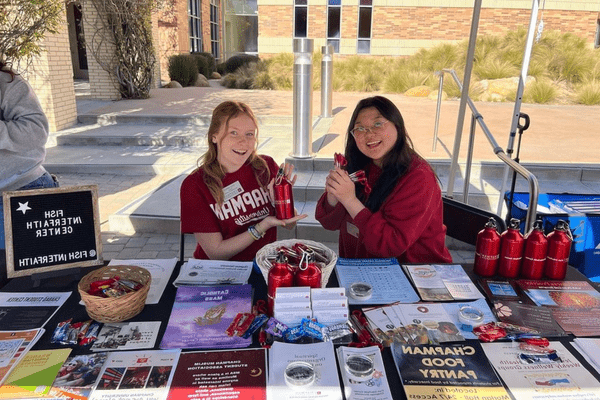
x=23, y=136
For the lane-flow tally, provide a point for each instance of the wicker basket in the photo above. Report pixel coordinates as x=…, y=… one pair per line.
x=110, y=309
x=270, y=250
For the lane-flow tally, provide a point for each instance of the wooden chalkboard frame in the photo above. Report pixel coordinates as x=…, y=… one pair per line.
x=8, y=229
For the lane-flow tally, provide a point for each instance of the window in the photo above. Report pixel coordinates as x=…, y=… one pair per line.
x=195, y=25
x=365, y=14
x=334, y=15
x=300, y=18
x=214, y=28
x=597, y=38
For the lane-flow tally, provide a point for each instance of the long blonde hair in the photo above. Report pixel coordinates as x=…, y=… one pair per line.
x=213, y=170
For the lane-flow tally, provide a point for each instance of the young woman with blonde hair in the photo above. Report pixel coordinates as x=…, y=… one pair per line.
x=226, y=201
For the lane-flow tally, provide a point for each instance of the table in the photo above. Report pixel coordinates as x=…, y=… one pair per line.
x=162, y=310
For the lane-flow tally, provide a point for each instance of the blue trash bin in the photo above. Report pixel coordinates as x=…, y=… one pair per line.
x=585, y=225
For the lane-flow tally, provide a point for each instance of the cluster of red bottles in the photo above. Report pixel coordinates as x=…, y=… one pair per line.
x=511, y=255
x=281, y=274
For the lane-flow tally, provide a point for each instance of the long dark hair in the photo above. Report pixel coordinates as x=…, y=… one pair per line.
x=394, y=164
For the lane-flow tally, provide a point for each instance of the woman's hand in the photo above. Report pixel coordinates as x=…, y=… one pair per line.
x=288, y=170
x=272, y=221
x=339, y=185
x=340, y=188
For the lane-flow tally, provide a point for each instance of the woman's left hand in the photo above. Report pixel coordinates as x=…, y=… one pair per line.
x=288, y=170
x=339, y=184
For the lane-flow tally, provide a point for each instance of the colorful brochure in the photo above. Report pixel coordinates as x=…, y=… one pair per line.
x=202, y=314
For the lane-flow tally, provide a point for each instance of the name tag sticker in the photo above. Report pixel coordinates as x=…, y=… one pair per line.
x=230, y=191
x=352, y=229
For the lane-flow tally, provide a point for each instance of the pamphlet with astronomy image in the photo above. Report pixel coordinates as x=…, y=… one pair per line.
x=201, y=315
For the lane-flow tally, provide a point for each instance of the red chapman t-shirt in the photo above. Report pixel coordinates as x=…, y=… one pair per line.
x=409, y=225
x=245, y=203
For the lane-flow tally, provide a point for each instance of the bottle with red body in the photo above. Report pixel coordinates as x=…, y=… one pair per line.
x=511, y=250
x=487, y=250
x=559, y=248
x=534, y=255
x=309, y=273
x=284, y=197
x=280, y=275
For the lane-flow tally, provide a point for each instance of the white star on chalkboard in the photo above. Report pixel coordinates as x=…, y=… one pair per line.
x=24, y=207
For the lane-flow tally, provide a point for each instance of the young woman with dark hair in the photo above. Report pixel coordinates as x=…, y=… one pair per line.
x=402, y=216
x=226, y=202
x=23, y=136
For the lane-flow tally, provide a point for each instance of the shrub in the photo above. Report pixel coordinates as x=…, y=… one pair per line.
x=183, y=69
x=221, y=68
x=202, y=64
x=542, y=92
x=212, y=64
x=237, y=61
x=588, y=93
x=493, y=68
x=402, y=79
x=280, y=69
x=242, y=78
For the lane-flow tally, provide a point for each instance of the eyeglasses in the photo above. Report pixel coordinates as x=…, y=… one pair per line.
x=377, y=127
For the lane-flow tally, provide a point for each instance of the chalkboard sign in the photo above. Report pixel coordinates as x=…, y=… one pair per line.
x=51, y=229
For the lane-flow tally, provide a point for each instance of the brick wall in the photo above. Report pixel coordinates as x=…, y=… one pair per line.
x=173, y=34
x=401, y=27
x=102, y=85
x=51, y=76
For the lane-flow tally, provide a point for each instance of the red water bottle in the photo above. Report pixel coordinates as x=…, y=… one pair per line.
x=284, y=198
x=559, y=248
x=309, y=273
x=280, y=275
x=534, y=255
x=487, y=250
x=511, y=250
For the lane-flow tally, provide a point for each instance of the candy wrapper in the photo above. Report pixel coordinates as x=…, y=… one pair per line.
x=360, y=177
x=339, y=160
x=91, y=334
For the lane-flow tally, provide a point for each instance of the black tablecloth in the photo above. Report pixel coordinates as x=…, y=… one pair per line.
x=162, y=310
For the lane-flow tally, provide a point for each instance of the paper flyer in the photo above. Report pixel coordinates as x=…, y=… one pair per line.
x=229, y=374
x=139, y=375
x=385, y=275
x=563, y=379
x=373, y=387
x=447, y=372
x=324, y=382
x=202, y=314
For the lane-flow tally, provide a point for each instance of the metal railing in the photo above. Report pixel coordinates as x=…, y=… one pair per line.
x=478, y=118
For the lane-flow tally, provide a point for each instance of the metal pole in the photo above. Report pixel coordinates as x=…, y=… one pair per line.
x=464, y=96
x=437, y=110
x=326, y=81
x=517, y=110
x=470, y=148
x=303, y=49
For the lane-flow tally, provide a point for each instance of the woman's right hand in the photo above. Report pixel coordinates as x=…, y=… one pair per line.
x=272, y=221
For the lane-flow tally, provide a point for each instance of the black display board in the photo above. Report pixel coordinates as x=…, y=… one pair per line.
x=51, y=229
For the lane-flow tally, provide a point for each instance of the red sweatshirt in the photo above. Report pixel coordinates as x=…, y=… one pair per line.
x=408, y=226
